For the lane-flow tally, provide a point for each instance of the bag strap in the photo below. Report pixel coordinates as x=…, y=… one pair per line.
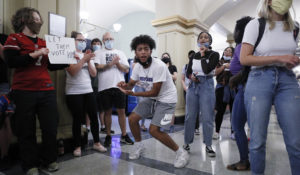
x=296, y=30
x=261, y=30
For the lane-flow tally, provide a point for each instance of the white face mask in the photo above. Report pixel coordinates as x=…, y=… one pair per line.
x=96, y=47
x=109, y=44
x=226, y=58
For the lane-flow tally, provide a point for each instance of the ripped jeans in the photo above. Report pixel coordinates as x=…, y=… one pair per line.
x=276, y=86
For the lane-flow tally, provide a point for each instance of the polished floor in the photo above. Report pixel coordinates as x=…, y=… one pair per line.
x=158, y=160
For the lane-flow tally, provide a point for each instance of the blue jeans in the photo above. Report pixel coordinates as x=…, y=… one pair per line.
x=200, y=97
x=278, y=86
x=239, y=119
x=140, y=89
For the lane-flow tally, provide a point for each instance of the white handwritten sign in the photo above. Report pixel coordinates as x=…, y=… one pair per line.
x=61, y=49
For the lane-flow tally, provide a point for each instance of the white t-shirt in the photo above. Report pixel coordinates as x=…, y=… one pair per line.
x=197, y=68
x=157, y=72
x=273, y=42
x=81, y=82
x=183, y=72
x=111, y=77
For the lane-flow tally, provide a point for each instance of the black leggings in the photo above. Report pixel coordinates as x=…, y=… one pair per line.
x=221, y=108
x=29, y=105
x=79, y=105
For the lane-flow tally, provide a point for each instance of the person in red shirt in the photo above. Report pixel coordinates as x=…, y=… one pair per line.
x=32, y=91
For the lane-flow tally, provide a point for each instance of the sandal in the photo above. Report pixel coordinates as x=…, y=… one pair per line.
x=240, y=166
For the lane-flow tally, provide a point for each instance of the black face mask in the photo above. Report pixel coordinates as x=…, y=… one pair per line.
x=34, y=27
x=166, y=60
x=145, y=64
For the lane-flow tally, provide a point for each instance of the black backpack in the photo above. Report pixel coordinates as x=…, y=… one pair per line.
x=262, y=25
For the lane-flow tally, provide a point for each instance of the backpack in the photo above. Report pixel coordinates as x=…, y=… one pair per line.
x=262, y=25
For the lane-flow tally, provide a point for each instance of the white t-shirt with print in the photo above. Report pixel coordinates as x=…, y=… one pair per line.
x=157, y=72
x=273, y=42
x=81, y=82
x=111, y=77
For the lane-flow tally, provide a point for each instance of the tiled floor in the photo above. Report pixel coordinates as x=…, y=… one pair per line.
x=158, y=159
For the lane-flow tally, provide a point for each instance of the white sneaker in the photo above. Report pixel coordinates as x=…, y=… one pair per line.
x=232, y=136
x=99, y=148
x=216, y=136
x=182, y=158
x=136, y=151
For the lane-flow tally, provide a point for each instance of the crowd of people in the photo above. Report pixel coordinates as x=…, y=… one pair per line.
x=251, y=77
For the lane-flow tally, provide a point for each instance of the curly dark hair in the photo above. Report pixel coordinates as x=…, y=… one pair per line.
x=23, y=17
x=96, y=40
x=142, y=39
x=240, y=28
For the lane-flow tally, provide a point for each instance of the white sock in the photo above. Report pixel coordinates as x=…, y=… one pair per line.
x=179, y=150
x=139, y=144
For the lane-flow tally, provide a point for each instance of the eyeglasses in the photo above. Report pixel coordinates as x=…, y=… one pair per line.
x=110, y=39
x=81, y=40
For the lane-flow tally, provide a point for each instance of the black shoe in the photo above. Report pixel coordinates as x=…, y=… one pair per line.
x=126, y=139
x=103, y=130
x=210, y=151
x=107, y=141
x=186, y=147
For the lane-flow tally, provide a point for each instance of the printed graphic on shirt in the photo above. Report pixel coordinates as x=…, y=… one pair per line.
x=146, y=83
x=109, y=57
x=167, y=119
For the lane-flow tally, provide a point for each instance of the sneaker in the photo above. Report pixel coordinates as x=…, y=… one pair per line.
x=136, y=151
x=240, y=166
x=99, y=148
x=77, y=152
x=143, y=128
x=182, y=158
x=107, y=141
x=32, y=171
x=103, y=130
x=232, y=136
x=197, y=132
x=126, y=139
x=216, y=136
x=52, y=167
x=210, y=151
x=186, y=147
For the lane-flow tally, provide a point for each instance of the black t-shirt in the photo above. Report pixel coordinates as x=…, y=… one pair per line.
x=3, y=72
x=172, y=69
x=224, y=76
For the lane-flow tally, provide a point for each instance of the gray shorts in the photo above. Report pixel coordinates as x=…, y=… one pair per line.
x=161, y=113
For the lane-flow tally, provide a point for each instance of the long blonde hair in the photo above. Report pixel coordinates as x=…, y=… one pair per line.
x=264, y=11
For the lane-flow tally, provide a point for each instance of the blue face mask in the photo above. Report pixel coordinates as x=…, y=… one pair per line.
x=109, y=44
x=226, y=58
x=203, y=45
x=96, y=47
x=81, y=46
